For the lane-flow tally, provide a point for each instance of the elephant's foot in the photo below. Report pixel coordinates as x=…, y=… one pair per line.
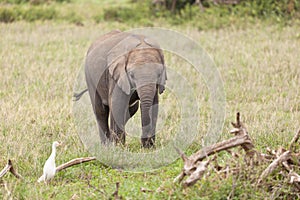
x=148, y=142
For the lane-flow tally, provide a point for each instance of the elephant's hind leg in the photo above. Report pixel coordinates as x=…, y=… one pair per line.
x=101, y=112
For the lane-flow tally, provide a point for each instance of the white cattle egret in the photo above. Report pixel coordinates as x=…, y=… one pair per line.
x=50, y=167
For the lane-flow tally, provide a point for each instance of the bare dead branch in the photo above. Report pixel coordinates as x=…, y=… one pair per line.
x=180, y=177
x=190, y=163
x=145, y=190
x=75, y=161
x=221, y=146
x=9, y=168
x=197, y=174
x=282, y=158
x=294, y=140
x=233, y=154
x=5, y=170
x=267, y=157
x=194, y=167
x=116, y=193
x=7, y=191
x=294, y=177
x=182, y=154
x=240, y=129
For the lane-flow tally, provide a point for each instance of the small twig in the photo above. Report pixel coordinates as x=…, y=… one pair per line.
x=294, y=140
x=179, y=178
x=182, y=154
x=96, y=189
x=294, y=177
x=233, y=154
x=5, y=170
x=75, y=161
x=7, y=190
x=282, y=158
x=116, y=193
x=238, y=122
x=9, y=167
x=145, y=190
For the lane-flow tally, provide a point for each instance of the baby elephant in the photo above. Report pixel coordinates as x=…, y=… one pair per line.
x=122, y=71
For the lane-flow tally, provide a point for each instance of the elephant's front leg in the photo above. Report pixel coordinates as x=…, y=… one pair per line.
x=118, y=116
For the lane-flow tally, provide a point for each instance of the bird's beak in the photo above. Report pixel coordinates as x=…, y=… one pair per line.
x=60, y=144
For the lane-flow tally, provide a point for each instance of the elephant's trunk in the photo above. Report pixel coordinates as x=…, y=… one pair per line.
x=147, y=94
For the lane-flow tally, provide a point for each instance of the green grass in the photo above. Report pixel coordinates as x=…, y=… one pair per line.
x=40, y=61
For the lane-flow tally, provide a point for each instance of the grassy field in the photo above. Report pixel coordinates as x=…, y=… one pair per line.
x=40, y=61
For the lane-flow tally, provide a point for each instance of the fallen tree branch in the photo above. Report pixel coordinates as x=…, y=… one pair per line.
x=221, y=146
x=75, y=161
x=192, y=165
x=189, y=163
x=195, y=166
x=10, y=168
x=282, y=158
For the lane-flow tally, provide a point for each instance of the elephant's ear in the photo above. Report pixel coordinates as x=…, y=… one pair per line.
x=117, y=70
x=163, y=76
x=163, y=79
x=117, y=61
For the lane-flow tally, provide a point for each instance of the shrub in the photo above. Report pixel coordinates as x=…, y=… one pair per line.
x=33, y=2
x=30, y=14
x=74, y=18
x=137, y=13
x=39, y=13
x=7, y=15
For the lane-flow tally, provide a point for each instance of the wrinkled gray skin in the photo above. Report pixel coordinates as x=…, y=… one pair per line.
x=123, y=69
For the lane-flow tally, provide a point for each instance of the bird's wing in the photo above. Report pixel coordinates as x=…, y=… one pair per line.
x=49, y=165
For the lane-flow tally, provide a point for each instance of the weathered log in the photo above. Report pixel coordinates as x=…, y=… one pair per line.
x=75, y=161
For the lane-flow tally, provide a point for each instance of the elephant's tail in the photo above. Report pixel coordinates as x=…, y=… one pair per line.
x=77, y=96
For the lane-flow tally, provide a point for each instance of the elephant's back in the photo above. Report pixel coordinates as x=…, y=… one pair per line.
x=105, y=43
x=96, y=58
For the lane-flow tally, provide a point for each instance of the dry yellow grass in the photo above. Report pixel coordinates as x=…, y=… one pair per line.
x=39, y=64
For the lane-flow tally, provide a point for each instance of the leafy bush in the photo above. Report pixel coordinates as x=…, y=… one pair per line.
x=256, y=8
x=138, y=13
x=74, y=18
x=34, y=2
x=39, y=13
x=7, y=15
x=30, y=14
